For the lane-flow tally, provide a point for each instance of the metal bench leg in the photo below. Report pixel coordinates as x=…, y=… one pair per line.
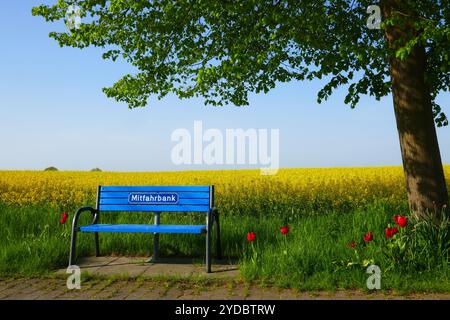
x=73, y=241
x=155, y=247
x=156, y=239
x=218, y=242
x=208, y=243
x=97, y=246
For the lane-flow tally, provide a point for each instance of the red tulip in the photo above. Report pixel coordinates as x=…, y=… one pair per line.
x=251, y=236
x=64, y=217
x=284, y=230
x=402, y=221
x=368, y=236
x=352, y=244
x=390, y=232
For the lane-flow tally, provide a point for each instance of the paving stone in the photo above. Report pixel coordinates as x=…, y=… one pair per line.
x=200, y=294
x=172, y=294
x=154, y=294
x=236, y=294
x=189, y=294
x=5, y=284
x=216, y=294
x=17, y=288
x=94, y=289
x=136, y=266
x=154, y=289
x=136, y=294
x=157, y=269
x=30, y=295
x=132, y=270
x=91, y=264
x=218, y=271
x=120, y=295
x=128, y=260
x=104, y=294
x=51, y=295
x=128, y=266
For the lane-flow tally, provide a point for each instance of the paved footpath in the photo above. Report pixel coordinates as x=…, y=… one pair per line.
x=151, y=289
x=122, y=278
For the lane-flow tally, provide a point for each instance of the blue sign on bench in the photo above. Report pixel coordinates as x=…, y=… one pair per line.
x=152, y=198
x=155, y=199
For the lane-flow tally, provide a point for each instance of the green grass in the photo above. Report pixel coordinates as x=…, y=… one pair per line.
x=314, y=255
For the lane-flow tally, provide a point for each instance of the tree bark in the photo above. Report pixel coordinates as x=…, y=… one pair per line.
x=422, y=164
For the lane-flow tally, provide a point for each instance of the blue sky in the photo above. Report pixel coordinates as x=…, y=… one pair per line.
x=53, y=112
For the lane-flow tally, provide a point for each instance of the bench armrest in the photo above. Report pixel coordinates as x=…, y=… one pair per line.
x=93, y=211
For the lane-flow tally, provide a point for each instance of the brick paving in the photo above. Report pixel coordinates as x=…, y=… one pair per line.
x=150, y=289
x=134, y=279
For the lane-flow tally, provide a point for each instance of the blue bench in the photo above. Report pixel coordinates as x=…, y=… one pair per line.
x=156, y=199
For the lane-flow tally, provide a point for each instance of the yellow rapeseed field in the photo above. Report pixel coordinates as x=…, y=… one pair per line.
x=240, y=191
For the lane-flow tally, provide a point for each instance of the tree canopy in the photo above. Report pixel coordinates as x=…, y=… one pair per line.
x=224, y=50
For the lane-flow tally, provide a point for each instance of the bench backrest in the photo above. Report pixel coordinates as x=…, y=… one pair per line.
x=155, y=198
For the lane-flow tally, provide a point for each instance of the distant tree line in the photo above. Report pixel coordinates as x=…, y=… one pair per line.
x=56, y=169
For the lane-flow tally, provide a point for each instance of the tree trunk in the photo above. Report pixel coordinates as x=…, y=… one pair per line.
x=422, y=164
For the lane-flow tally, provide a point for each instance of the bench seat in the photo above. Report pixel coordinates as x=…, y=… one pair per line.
x=144, y=228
